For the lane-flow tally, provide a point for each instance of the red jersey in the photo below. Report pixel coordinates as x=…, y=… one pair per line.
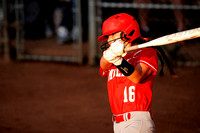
x=126, y=96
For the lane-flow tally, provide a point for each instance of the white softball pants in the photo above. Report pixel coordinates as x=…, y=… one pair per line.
x=140, y=122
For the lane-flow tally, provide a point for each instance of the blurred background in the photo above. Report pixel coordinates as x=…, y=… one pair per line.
x=49, y=58
x=67, y=30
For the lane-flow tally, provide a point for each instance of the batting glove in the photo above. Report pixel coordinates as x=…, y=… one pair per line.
x=115, y=53
x=118, y=48
x=111, y=57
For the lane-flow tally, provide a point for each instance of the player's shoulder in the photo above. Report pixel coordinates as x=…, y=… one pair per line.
x=145, y=51
x=151, y=50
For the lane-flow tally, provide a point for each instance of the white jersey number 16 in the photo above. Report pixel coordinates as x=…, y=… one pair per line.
x=129, y=94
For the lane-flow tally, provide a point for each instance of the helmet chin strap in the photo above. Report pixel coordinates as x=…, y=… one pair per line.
x=106, y=45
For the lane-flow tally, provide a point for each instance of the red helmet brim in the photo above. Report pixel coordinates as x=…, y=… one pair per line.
x=102, y=38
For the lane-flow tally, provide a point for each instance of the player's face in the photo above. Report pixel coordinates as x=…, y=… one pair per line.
x=115, y=36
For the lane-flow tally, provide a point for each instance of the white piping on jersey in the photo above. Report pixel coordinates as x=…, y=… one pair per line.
x=147, y=64
x=135, y=55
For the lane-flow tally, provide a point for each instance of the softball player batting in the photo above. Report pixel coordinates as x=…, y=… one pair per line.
x=130, y=76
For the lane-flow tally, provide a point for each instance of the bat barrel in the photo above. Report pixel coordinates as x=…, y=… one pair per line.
x=168, y=39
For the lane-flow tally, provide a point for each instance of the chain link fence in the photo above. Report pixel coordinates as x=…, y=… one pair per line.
x=37, y=31
x=161, y=21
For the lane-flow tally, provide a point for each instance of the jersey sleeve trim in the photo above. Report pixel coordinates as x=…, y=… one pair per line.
x=151, y=66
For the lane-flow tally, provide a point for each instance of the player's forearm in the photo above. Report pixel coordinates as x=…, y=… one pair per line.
x=104, y=64
x=135, y=74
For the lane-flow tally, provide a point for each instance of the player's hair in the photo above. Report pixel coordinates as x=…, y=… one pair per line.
x=161, y=55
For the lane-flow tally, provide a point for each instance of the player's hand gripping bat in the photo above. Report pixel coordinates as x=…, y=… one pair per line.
x=168, y=39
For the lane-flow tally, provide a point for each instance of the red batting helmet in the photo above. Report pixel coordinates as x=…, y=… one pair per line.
x=120, y=22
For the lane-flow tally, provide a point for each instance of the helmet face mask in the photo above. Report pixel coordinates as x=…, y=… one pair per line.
x=120, y=22
x=107, y=45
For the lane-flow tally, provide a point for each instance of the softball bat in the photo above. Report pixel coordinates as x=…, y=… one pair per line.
x=168, y=39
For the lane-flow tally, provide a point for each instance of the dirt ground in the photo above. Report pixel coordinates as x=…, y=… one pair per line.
x=49, y=97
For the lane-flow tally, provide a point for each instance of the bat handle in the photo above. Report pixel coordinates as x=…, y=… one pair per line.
x=129, y=49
